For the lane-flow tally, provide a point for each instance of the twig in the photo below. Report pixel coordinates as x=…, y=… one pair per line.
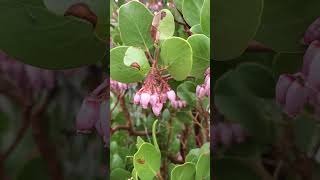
x=115, y=105
x=46, y=149
x=257, y=46
x=25, y=125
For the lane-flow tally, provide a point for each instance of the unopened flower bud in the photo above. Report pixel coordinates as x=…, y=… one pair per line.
x=313, y=32
x=154, y=99
x=313, y=78
x=136, y=98
x=157, y=108
x=87, y=115
x=144, y=101
x=282, y=87
x=171, y=95
x=296, y=98
x=312, y=54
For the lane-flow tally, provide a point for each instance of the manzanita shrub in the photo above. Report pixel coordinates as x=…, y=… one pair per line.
x=266, y=90
x=159, y=68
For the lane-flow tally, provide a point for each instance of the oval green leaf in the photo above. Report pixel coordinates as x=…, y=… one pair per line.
x=41, y=38
x=119, y=173
x=98, y=7
x=201, y=54
x=134, y=24
x=205, y=17
x=186, y=91
x=119, y=71
x=146, y=161
x=203, y=166
x=185, y=171
x=235, y=24
x=166, y=25
x=179, y=64
x=191, y=11
x=284, y=33
x=137, y=56
x=196, y=29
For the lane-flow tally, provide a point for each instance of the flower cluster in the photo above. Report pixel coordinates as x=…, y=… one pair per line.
x=154, y=6
x=204, y=89
x=93, y=113
x=155, y=92
x=26, y=76
x=116, y=86
x=294, y=91
x=226, y=133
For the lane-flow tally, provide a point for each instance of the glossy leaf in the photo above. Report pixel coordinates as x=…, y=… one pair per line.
x=196, y=29
x=119, y=173
x=205, y=17
x=119, y=71
x=186, y=91
x=185, y=171
x=166, y=26
x=203, y=166
x=180, y=64
x=235, y=24
x=98, y=7
x=191, y=11
x=41, y=38
x=146, y=161
x=201, y=54
x=134, y=56
x=284, y=33
x=134, y=23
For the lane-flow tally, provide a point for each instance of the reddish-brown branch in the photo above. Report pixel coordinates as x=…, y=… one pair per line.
x=257, y=46
x=116, y=104
x=20, y=133
x=46, y=149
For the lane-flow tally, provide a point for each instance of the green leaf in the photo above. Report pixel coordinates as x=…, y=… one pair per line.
x=166, y=25
x=119, y=173
x=41, y=38
x=98, y=7
x=191, y=11
x=193, y=155
x=237, y=97
x=136, y=55
x=180, y=64
x=205, y=17
x=231, y=169
x=284, y=33
x=186, y=91
x=235, y=24
x=154, y=133
x=201, y=54
x=119, y=71
x=134, y=23
x=196, y=29
x=178, y=4
x=116, y=162
x=134, y=174
x=140, y=141
x=147, y=161
x=203, y=166
x=185, y=171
